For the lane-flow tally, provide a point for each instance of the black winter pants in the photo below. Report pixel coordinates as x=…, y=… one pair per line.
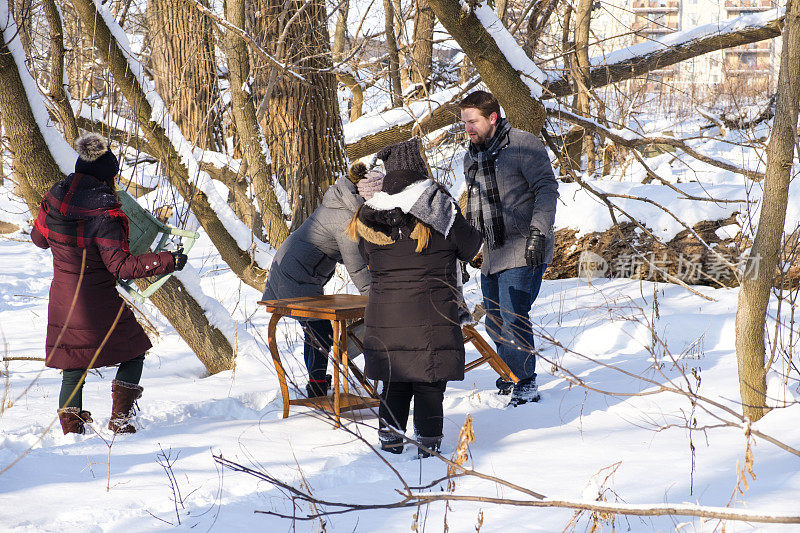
x=428, y=412
x=129, y=372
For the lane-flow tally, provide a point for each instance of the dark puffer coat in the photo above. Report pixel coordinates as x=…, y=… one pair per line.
x=412, y=326
x=81, y=214
x=306, y=261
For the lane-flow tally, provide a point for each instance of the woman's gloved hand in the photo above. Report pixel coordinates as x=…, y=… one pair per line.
x=180, y=258
x=477, y=261
x=465, y=277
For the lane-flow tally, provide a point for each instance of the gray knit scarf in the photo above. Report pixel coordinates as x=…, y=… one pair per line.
x=425, y=200
x=484, y=211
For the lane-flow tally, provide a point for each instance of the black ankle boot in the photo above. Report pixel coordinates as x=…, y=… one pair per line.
x=503, y=387
x=431, y=443
x=390, y=441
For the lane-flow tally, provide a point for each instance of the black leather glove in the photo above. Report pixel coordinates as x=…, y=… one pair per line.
x=477, y=261
x=180, y=258
x=534, y=248
x=464, y=273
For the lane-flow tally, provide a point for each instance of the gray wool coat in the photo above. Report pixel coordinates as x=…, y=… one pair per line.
x=528, y=194
x=305, y=261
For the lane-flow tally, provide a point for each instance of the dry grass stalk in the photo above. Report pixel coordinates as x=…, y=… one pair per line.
x=460, y=455
x=743, y=471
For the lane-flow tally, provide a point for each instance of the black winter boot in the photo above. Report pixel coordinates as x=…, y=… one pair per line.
x=73, y=420
x=525, y=391
x=390, y=441
x=503, y=387
x=123, y=397
x=431, y=443
x=317, y=388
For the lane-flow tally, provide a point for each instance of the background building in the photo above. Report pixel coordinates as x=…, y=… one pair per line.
x=637, y=21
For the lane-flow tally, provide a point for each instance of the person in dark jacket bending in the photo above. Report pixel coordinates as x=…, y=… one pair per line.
x=411, y=234
x=88, y=324
x=306, y=261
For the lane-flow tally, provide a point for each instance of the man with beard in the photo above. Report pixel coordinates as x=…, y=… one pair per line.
x=511, y=199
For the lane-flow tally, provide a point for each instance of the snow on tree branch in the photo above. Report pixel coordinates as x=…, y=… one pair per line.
x=528, y=71
x=672, y=48
x=160, y=115
x=62, y=152
x=374, y=123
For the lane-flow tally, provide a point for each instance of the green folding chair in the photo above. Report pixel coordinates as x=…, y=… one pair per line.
x=144, y=230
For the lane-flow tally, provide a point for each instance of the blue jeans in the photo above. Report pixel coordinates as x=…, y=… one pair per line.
x=508, y=297
x=316, y=347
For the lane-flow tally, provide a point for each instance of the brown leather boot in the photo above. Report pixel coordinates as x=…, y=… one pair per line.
x=123, y=396
x=73, y=419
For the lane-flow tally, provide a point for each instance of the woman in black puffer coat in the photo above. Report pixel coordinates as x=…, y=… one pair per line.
x=410, y=235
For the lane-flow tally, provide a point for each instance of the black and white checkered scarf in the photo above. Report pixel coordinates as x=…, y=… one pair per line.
x=484, y=211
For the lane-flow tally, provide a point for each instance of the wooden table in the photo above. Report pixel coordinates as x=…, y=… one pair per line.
x=338, y=308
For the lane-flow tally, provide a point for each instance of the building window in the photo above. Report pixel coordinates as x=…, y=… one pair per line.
x=748, y=60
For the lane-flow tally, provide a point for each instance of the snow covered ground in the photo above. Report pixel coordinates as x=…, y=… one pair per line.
x=574, y=444
x=616, y=439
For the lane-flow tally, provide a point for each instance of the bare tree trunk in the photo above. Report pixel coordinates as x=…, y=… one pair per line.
x=357, y=91
x=422, y=51
x=244, y=115
x=57, y=92
x=34, y=165
x=304, y=129
x=86, y=78
x=207, y=342
x=185, y=70
x=572, y=140
x=758, y=276
x=583, y=17
x=34, y=159
x=395, y=87
x=501, y=7
x=340, y=33
x=403, y=48
x=537, y=23
x=346, y=78
x=240, y=261
x=22, y=11
x=2, y=150
x=524, y=111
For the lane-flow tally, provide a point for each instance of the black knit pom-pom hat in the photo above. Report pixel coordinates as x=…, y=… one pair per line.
x=95, y=158
x=396, y=181
x=404, y=156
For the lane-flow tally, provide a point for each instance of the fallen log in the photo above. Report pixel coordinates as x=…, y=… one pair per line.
x=630, y=253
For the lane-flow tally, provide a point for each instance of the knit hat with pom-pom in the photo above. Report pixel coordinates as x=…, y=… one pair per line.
x=404, y=156
x=95, y=159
